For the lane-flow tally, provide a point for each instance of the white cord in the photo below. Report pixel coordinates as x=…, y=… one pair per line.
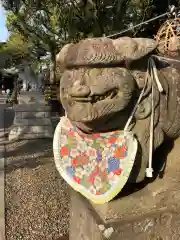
x=154, y=79
x=149, y=169
x=166, y=58
x=153, y=75
x=137, y=103
x=154, y=72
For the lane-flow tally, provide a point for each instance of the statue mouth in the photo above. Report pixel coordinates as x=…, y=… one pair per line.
x=96, y=106
x=96, y=98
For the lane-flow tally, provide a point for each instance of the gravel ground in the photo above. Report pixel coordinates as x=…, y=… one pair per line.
x=37, y=199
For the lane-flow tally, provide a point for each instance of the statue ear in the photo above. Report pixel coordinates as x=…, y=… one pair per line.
x=134, y=48
x=144, y=109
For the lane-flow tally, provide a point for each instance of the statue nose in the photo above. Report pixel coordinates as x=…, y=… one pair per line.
x=80, y=91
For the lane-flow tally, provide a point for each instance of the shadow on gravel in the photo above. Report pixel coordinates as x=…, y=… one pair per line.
x=63, y=238
x=32, y=163
x=29, y=154
x=33, y=146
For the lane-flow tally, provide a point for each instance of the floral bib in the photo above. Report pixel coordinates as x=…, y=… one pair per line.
x=96, y=165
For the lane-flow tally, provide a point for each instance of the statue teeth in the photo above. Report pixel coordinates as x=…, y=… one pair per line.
x=95, y=98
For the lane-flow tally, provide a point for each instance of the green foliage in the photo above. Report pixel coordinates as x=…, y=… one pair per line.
x=49, y=24
x=11, y=18
x=18, y=45
x=18, y=48
x=53, y=23
x=44, y=23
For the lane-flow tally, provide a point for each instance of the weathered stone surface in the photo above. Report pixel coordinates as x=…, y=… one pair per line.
x=31, y=122
x=151, y=228
x=99, y=95
x=2, y=229
x=3, y=121
x=150, y=213
x=24, y=111
x=31, y=97
x=30, y=129
x=82, y=223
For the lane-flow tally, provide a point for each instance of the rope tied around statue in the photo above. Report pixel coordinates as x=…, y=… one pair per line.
x=151, y=75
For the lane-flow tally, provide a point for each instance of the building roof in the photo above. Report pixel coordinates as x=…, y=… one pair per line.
x=9, y=71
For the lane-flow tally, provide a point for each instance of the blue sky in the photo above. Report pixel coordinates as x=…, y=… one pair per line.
x=3, y=30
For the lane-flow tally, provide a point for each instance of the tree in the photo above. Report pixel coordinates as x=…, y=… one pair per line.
x=49, y=24
x=18, y=48
x=41, y=22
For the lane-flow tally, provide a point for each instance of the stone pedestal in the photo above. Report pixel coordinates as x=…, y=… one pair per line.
x=31, y=122
x=31, y=97
x=3, y=121
x=153, y=212
x=2, y=126
x=32, y=118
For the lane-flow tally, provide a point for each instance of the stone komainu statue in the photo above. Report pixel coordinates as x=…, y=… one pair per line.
x=106, y=85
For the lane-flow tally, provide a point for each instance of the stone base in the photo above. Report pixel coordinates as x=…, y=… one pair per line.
x=31, y=122
x=2, y=135
x=24, y=131
x=31, y=97
x=153, y=212
x=3, y=121
x=32, y=111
